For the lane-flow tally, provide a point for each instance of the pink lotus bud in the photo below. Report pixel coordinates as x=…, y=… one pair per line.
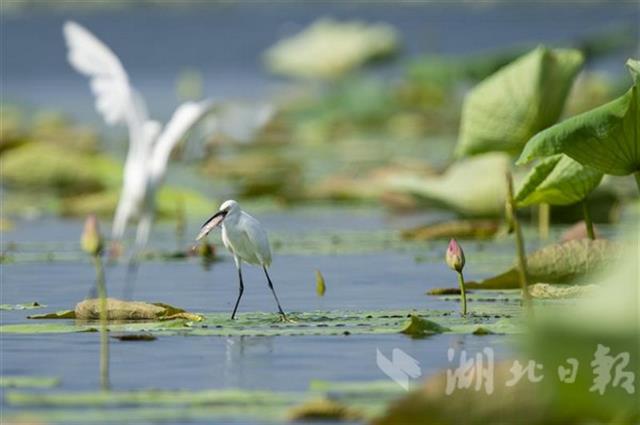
x=91, y=238
x=455, y=256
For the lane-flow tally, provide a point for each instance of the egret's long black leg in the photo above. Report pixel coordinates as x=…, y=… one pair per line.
x=93, y=292
x=240, y=291
x=130, y=279
x=273, y=291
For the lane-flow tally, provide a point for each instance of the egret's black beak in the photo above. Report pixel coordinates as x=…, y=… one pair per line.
x=211, y=223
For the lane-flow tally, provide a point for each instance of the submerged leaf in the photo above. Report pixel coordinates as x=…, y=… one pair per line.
x=606, y=138
x=560, y=263
x=134, y=337
x=557, y=180
x=323, y=409
x=417, y=327
x=481, y=330
x=460, y=229
x=505, y=110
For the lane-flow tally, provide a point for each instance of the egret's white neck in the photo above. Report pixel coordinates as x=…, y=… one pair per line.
x=231, y=218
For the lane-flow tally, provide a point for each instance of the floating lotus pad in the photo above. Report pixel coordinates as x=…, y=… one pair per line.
x=24, y=306
x=497, y=310
x=29, y=381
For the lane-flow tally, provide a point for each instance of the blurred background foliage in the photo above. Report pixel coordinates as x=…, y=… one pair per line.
x=342, y=128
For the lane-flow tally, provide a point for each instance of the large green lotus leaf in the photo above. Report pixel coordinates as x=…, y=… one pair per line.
x=479, y=396
x=560, y=263
x=505, y=110
x=472, y=186
x=606, y=138
x=601, y=327
x=557, y=180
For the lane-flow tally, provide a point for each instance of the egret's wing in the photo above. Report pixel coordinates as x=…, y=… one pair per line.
x=183, y=119
x=257, y=238
x=115, y=99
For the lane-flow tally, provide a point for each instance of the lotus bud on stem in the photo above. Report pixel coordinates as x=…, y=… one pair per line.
x=92, y=244
x=522, y=259
x=455, y=260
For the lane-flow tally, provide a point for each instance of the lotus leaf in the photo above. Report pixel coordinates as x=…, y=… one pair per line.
x=505, y=110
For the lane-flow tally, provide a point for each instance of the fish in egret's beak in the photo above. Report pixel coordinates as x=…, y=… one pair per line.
x=211, y=223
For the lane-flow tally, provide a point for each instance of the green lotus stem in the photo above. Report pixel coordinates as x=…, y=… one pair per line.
x=544, y=213
x=522, y=258
x=463, y=293
x=104, y=337
x=587, y=220
x=637, y=176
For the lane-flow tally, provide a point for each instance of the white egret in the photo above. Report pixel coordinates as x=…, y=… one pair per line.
x=149, y=145
x=247, y=241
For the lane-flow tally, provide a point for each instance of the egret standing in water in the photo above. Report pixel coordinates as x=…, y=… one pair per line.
x=245, y=238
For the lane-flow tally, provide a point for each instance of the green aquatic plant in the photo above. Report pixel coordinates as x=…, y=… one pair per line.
x=60, y=169
x=606, y=138
x=506, y=109
x=92, y=244
x=455, y=260
x=559, y=180
x=321, y=287
x=523, y=275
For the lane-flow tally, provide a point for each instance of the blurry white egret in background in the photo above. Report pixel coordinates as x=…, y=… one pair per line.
x=245, y=238
x=149, y=144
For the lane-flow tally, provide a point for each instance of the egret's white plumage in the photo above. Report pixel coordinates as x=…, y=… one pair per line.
x=245, y=238
x=149, y=144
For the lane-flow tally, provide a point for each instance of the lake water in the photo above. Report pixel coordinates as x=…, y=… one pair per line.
x=225, y=43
